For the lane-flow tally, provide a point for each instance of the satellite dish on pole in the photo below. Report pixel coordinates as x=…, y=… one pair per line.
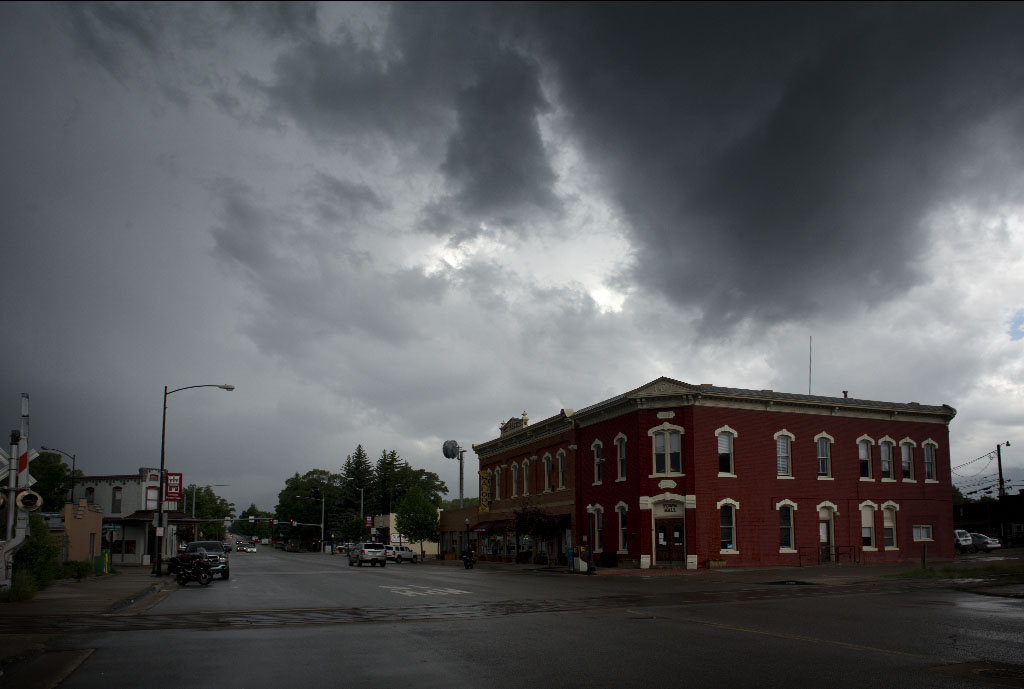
x=450, y=449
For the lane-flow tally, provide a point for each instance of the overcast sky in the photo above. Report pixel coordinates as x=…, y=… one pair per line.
x=401, y=224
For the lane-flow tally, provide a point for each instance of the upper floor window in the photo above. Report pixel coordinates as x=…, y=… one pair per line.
x=526, y=477
x=725, y=437
x=547, y=473
x=885, y=454
x=152, y=497
x=783, y=459
x=497, y=483
x=864, y=456
x=115, y=500
x=620, y=456
x=824, y=445
x=598, y=449
x=907, y=460
x=668, y=449
x=598, y=517
x=561, y=469
x=929, y=461
x=515, y=480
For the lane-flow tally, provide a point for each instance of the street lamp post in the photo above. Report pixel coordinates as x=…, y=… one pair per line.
x=72, y=456
x=466, y=549
x=308, y=497
x=160, y=492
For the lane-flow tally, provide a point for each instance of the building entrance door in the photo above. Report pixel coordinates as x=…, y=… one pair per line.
x=670, y=547
x=825, y=540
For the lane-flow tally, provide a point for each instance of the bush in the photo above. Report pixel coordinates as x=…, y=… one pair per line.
x=38, y=556
x=23, y=587
x=75, y=569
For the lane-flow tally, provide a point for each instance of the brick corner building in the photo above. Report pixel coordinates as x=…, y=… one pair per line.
x=673, y=474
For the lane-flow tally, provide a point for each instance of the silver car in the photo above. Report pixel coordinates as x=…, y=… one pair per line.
x=373, y=553
x=400, y=553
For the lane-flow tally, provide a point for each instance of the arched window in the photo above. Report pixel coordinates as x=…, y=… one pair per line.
x=598, y=448
x=515, y=480
x=783, y=449
x=907, y=459
x=929, y=461
x=864, y=456
x=667, y=447
x=727, y=522
x=620, y=456
x=824, y=441
x=547, y=473
x=561, y=469
x=867, y=525
x=620, y=509
x=526, y=477
x=497, y=483
x=889, y=527
x=787, y=517
x=726, y=437
x=885, y=456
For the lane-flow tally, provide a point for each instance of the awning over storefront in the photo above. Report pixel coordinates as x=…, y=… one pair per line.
x=500, y=525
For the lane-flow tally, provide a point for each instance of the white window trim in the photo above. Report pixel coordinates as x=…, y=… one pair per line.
x=597, y=510
x=922, y=540
x=598, y=461
x=935, y=460
x=913, y=475
x=870, y=478
x=619, y=508
x=563, y=464
x=892, y=459
x=515, y=480
x=874, y=531
x=620, y=475
x=547, y=472
x=665, y=428
x=732, y=449
x=895, y=532
x=792, y=442
x=526, y=475
x=735, y=508
x=788, y=503
x=831, y=441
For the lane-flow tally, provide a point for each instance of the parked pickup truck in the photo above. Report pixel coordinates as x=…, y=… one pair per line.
x=214, y=553
x=373, y=553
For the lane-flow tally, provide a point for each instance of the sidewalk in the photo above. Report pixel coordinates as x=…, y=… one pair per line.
x=131, y=589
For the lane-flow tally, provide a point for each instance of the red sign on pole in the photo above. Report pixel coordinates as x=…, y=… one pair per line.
x=172, y=491
x=369, y=520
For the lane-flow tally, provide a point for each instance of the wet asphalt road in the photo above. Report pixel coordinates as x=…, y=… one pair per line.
x=288, y=619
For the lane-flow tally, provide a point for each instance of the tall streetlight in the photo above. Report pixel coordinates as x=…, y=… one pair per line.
x=309, y=497
x=72, y=456
x=160, y=493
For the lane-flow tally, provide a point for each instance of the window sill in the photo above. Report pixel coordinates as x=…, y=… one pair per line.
x=869, y=549
x=931, y=480
x=867, y=479
x=924, y=540
x=622, y=552
x=888, y=480
x=909, y=480
x=726, y=474
x=892, y=547
x=788, y=551
x=825, y=478
x=728, y=552
x=785, y=477
x=596, y=483
x=666, y=475
x=620, y=479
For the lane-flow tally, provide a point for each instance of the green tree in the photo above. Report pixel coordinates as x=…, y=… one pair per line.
x=210, y=509
x=387, y=487
x=353, y=531
x=416, y=517
x=356, y=474
x=430, y=483
x=53, y=480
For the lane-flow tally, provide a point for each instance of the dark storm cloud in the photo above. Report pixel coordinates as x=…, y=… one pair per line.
x=277, y=19
x=311, y=280
x=775, y=162
x=108, y=33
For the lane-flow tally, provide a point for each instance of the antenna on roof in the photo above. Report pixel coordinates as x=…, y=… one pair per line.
x=810, y=351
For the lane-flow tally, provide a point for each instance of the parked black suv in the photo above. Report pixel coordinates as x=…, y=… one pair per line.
x=213, y=552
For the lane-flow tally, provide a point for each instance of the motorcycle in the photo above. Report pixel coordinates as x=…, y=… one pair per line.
x=469, y=559
x=193, y=568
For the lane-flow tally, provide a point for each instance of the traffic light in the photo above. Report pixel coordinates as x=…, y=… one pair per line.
x=272, y=521
x=293, y=522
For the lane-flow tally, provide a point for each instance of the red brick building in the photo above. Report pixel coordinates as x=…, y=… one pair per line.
x=680, y=475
